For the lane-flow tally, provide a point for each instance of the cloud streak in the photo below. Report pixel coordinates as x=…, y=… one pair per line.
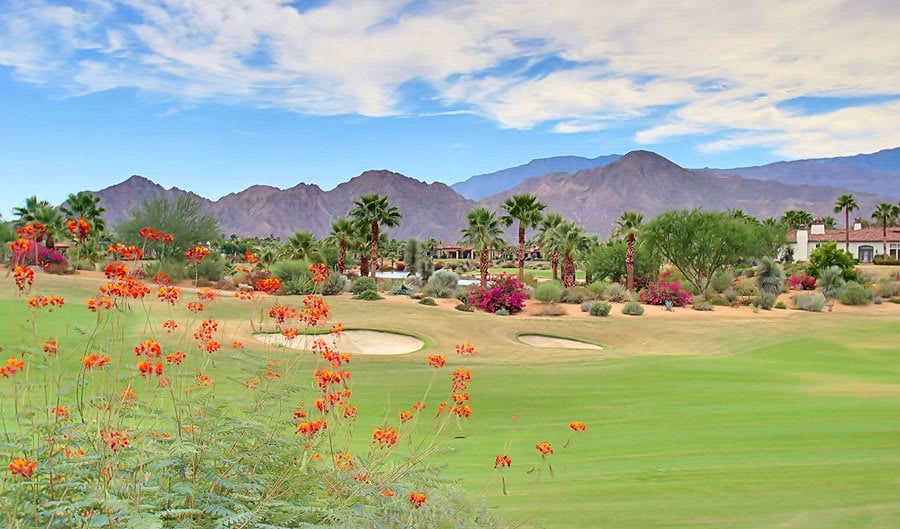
x=710, y=68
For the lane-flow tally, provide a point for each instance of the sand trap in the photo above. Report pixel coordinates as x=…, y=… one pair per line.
x=352, y=341
x=538, y=340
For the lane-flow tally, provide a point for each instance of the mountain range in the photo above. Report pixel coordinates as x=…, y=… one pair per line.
x=594, y=195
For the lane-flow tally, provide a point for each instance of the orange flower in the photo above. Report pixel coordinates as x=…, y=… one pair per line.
x=281, y=313
x=169, y=325
x=51, y=347
x=38, y=302
x=466, y=349
x=149, y=348
x=95, y=361
x=175, y=358
x=203, y=379
x=80, y=228
x=577, y=426
x=206, y=330
x=273, y=374
x=22, y=467
x=416, y=499
x=61, y=413
x=419, y=406
x=291, y=332
x=97, y=303
x=460, y=398
x=237, y=345
x=210, y=346
x=384, y=438
x=437, y=361
x=244, y=295
x=24, y=277
x=502, y=461
x=544, y=448
x=162, y=278
x=299, y=414
x=20, y=246
x=388, y=492
x=168, y=294
x=206, y=294
x=13, y=366
x=149, y=368
x=195, y=306
x=338, y=329
x=405, y=416
x=269, y=285
x=115, y=271
x=311, y=428
x=319, y=272
x=250, y=258
x=463, y=411
x=350, y=412
x=195, y=254
x=115, y=439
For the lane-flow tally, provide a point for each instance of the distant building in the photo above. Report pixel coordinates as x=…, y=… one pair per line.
x=865, y=243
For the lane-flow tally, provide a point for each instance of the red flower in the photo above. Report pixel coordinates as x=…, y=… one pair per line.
x=51, y=347
x=544, y=448
x=416, y=499
x=24, y=277
x=149, y=348
x=13, y=366
x=502, y=461
x=405, y=416
x=169, y=325
x=95, y=361
x=115, y=439
x=384, y=438
x=22, y=467
x=437, y=361
x=466, y=349
x=269, y=285
x=311, y=428
x=168, y=294
x=175, y=358
x=195, y=254
x=577, y=426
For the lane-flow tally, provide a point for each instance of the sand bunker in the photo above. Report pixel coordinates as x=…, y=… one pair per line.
x=352, y=341
x=538, y=340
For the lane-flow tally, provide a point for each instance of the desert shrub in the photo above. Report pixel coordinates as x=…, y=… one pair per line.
x=615, y=292
x=502, y=292
x=547, y=291
x=465, y=307
x=801, y=281
x=887, y=288
x=769, y=276
x=600, y=308
x=746, y=286
x=551, y=309
x=780, y=305
x=428, y=301
x=661, y=292
x=413, y=282
x=855, y=294
x=885, y=260
x=597, y=289
x=402, y=290
x=83, y=264
x=462, y=293
x=575, y=295
x=362, y=285
x=718, y=300
x=174, y=268
x=704, y=306
x=211, y=267
x=633, y=308
x=812, y=302
x=831, y=282
x=438, y=265
x=586, y=306
x=368, y=295
x=765, y=300
x=730, y=295
x=444, y=279
x=334, y=284
x=721, y=280
x=828, y=255
x=878, y=300
x=501, y=312
x=529, y=279
x=294, y=275
x=437, y=291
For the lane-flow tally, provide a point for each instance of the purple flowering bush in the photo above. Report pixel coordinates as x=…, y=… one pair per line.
x=502, y=292
x=40, y=255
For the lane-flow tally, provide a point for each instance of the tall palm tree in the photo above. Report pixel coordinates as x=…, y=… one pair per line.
x=885, y=212
x=527, y=211
x=86, y=206
x=375, y=211
x=569, y=240
x=303, y=245
x=846, y=203
x=829, y=222
x=627, y=227
x=550, y=221
x=484, y=232
x=342, y=234
x=41, y=211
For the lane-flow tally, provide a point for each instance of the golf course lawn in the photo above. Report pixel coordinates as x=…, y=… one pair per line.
x=725, y=420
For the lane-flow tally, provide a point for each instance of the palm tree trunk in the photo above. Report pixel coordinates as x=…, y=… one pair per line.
x=554, y=265
x=342, y=258
x=483, y=265
x=568, y=275
x=363, y=265
x=629, y=265
x=884, y=235
x=847, y=226
x=373, y=259
x=521, y=253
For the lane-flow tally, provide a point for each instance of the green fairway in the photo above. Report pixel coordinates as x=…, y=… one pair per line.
x=750, y=421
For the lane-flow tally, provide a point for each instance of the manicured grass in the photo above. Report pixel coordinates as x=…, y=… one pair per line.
x=749, y=422
x=535, y=273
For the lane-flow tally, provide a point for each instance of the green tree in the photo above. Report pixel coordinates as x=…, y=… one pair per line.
x=526, y=210
x=41, y=211
x=885, y=212
x=846, y=203
x=184, y=218
x=699, y=243
x=550, y=221
x=85, y=205
x=607, y=261
x=569, y=240
x=342, y=235
x=375, y=211
x=484, y=232
x=828, y=255
x=829, y=222
x=303, y=245
x=627, y=227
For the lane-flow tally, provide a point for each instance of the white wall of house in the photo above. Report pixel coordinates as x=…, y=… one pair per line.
x=803, y=247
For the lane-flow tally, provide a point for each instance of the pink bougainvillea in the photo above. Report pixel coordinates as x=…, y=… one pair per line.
x=502, y=292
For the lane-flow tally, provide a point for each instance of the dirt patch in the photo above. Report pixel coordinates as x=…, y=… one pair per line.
x=853, y=387
x=352, y=341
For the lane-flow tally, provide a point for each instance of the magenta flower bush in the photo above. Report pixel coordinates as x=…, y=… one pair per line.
x=40, y=255
x=502, y=292
x=659, y=292
x=802, y=282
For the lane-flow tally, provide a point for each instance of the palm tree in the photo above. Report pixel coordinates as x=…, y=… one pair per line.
x=484, y=232
x=342, y=234
x=86, y=206
x=829, y=222
x=527, y=211
x=846, y=203
x=569, y=239
x=375, y=211
x=43, y=212
x=627, y=227
x=551, y=220
x=885, y=212
x=303, y=245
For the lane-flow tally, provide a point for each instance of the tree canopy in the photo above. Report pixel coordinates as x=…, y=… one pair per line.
x=185, y=219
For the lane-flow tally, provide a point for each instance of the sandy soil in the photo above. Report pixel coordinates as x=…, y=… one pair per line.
x=537, y=340
x=352, y=341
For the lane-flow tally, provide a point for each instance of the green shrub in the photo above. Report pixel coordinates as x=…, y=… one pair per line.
x=212, y=267
x=413, y=282
x=334, y=284
x=437, y=291
x=575, y=295
x=547, y=291
x=633, y=308
x=831, y=282
x=600, y=308
x=812, y=302
x=465, y=307
x=721, y=280
x=780, y=305
x=428, y=301
x=368, y=295
x=597, y=289
x=718, y=301
x=363, y=284
x=765, y=300
x=855, y=294
x=746, y=286
x=885, y=260
x=770, y=276
x=828, y=255
x=551, y=309
x=887, y=288
x=176, y=269
x=294, y=275
x=615, y=292
x=704, y=306
x=444, y=279
x=586, y=306
x=462, y=294
x=502, y=312
x=730, y=295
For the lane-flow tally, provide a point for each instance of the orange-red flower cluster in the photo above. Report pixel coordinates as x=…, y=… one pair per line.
x=203, y=379
x=291, y=332
x=13, y=366
x=32, y=230
x=458, y=394
x=206, y=329
x=250, y=258
x=162, y=278
x=149, y=348
x=502, y=461
x=80, y=228
x=95, y=361
x=384, y=438
x=466, y=349
x=115, y=439
x=350, y=412
x=61, y=412
x=311, y=428
x=210, y=346
x=129, y=253
x=206, y=294
x=577, y=426
x=244, y=295
x=20, y=246
x=405, y=416
x=169, y=325
x=168, y=294
x=269, y=285
x=22, y=467
x=149, y=368
x=237, y=345
x=195, y=254
x=51, y=347
x=99, y=302
x=334, y=358
x=151, y=234
x=115, y=271
x=175, y=358
x=437, y=361
x=24, y=277
x=417, y=499
x=544, y=448
x=38, y=302
x=314, y=310
x=281, y=313
x=319, y=272
x=195, y=306
x=125, y=287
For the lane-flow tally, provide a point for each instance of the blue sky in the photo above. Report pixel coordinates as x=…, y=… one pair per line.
x=217, y=95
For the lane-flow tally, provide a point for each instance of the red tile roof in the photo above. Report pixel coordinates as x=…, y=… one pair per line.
x=871, y=235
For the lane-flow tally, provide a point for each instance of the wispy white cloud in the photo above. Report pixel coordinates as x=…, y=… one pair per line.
x=708, y=67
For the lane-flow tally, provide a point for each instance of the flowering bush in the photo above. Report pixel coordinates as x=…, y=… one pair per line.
x=40, y=255
x=502, y=292
x=802, y=282
x=661, y=291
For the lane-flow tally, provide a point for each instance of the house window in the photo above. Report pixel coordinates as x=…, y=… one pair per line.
x=894, y=249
